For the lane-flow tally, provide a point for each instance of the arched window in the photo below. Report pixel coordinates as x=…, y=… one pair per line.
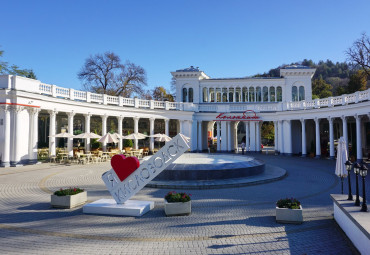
x=245, y=95
x=272, y=94
x=205, y=95
x=212, y=95
x=190, y=95
x=237, y=94
x=258, y=94
x=301, y=93
x=251, y=94
x=218, y=94
x=224, y=95
x=265, y=91
x=184, y=94
x=279, y=94
x=231, y=94
x=294, y=94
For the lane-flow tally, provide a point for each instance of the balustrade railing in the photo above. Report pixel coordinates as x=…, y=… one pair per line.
x=72, y=94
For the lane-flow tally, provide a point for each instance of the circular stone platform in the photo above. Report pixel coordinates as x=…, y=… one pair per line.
x=207, y=171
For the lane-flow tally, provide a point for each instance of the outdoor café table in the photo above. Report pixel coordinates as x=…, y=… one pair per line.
x=87, y=156
x=63, y=155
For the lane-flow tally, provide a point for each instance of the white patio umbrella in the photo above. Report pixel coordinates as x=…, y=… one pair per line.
x=185, y=137
x=63, y=135
x=340, y=167
x=164, y=138
x=87, y=135
x=117, y=136
x=135, y=136
x=108, y=138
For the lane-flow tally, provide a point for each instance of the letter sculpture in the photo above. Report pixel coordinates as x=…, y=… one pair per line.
x=126, y=178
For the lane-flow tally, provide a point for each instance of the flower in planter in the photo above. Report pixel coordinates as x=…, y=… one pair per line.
x=68, y=192
x=290, y=203
x=173, y=197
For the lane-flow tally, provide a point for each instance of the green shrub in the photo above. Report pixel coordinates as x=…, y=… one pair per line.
x=128, y=143
x=290, y=203
x=68, y=192
x=173, y=197
x=95, y=144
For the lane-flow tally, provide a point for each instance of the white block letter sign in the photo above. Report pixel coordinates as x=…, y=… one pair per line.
x=126, y=178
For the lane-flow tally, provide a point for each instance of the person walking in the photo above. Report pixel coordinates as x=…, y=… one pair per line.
x=243, y=147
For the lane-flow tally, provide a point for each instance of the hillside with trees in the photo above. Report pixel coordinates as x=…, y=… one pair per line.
x=334, y=79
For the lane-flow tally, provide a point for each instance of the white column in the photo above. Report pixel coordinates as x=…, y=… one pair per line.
x=288, y=149
x=87, y=130
x=280, y=137
x=17, y=138
x=223, y=136
x=181, y=126
x=317, y=134
x=276, y=136
x=30, y=111
x=247, y=136
x=218, y=136
x=331, y=137
x=5, y=162
x=258, y=136
x=136, y=130
x=151, y=131
x=70, y=130
x=345, y=130
x=194, y=135
x=104, y=119
x=304, y=147
x=358, y=138
x=35, y=135
x=120, y=119
x=229, y=136
x=236, y=136
x=252, y=132
x=53, y=114
x=200, y=138
x=167, y=127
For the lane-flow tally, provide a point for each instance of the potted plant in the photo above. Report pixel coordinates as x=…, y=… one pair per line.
x=289, y=210
x=176, y=204
x=68, y=198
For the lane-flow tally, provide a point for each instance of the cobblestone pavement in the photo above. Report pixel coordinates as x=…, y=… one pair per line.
x=223, y=221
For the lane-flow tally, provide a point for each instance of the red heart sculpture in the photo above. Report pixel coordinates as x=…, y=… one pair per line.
x=124, y=166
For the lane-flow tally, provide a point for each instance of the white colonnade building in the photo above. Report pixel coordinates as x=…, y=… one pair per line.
x=226, y=110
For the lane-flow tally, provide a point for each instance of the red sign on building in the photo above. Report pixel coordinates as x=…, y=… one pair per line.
x=248, y=115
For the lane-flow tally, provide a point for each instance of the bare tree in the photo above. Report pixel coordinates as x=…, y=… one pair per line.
x=129, y=81
x=99, y=72
x=359, y=53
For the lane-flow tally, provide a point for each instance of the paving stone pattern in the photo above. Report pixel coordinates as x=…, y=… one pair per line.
x=223, y=221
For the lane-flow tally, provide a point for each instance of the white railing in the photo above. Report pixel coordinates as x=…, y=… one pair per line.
x=72, y=94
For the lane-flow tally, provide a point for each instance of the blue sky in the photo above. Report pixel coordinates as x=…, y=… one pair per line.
x=224, y=38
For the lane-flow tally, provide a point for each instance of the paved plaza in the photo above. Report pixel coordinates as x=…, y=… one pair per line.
x=223, y=221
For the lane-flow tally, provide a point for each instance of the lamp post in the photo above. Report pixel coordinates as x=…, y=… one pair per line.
x=348, y=167
x=363, y=173
x=356, y=169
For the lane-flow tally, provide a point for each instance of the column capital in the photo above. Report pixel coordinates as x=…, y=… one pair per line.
x=87, y=115
x=344, y=118
x=136, y=118
x=302, y=120
x=5, y=107
x=317, y=119
x=200, y=121
x=166, y=120
x=120, y=118
x=53, y=112
x=16, y=108
x=357, y=116
x=33, y=110
x=104, y=117
x=71, y=114
x=151, y=119
x=330, y=119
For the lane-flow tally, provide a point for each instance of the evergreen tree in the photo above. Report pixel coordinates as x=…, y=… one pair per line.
x=321, y=89
x=357, y=82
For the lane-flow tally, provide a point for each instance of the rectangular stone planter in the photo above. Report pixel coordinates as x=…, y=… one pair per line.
x=286, y=215
x=177, y=209
x=69, y=201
